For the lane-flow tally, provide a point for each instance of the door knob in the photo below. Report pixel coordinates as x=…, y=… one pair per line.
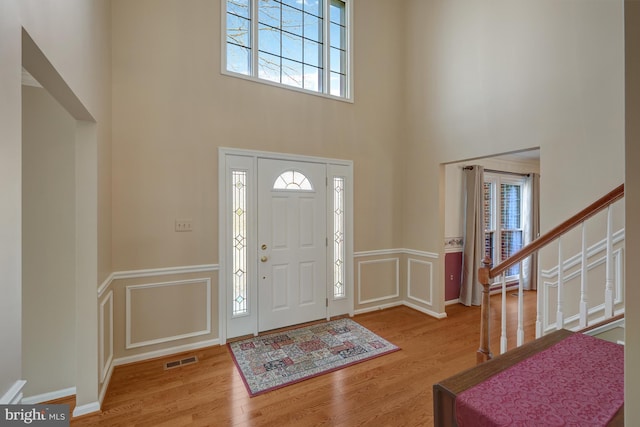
x=264, y=258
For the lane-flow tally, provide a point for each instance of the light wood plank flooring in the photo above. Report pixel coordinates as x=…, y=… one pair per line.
x=392, y=390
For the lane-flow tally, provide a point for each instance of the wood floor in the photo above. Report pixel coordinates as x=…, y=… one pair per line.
x=392, y=390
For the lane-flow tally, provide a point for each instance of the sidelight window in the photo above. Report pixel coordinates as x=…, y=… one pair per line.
x=239, y=224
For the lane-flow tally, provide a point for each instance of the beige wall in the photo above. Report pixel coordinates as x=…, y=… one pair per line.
x=73, y=38
x=632, y=195
x=482, y=79
x=492, y=77
x=48, y=244
x=173, y=109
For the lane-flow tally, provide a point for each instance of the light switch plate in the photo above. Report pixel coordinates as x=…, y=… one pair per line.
x=184, y=225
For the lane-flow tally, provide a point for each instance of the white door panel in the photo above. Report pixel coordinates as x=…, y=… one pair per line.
x=291, y=244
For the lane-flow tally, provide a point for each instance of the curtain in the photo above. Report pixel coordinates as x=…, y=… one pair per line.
x=470, y=288
x=531, y=211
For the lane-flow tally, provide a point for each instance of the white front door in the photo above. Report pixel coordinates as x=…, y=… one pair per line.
x=292, y=243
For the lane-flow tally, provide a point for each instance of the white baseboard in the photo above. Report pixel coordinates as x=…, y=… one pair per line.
x=13, y=396
x=399, y=303
x=426, y=310
x=165, y=352
x=378, y=307
x=86, y=409
x=606, y=327
x=139, y=358
x=52, y=395
x=452, y=301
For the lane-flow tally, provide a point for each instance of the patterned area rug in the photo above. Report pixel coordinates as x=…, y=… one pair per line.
x=280, y=359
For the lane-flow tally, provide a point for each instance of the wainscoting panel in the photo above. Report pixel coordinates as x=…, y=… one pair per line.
x=105, y=350
x=378, y=280
x=420, y=280
x=572, y=279
x=163, y=312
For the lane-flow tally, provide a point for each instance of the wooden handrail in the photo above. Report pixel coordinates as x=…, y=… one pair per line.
x=558, y=231
x=487, y=272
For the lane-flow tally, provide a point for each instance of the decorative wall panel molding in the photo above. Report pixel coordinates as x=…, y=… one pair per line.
x=163, y=307
x=420, y=280
x=105, y=335
x=395, y=287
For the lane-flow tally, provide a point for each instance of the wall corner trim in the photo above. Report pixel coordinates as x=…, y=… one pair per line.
x=105, y=285
x=13, y=396
x=105, y=383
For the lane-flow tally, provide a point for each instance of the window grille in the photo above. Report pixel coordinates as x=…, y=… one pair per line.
x=300, y=44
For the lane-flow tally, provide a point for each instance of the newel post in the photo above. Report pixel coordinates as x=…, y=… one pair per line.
x=484, y=353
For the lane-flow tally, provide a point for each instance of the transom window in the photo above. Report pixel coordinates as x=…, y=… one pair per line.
x=297, y=43
x=292, y=180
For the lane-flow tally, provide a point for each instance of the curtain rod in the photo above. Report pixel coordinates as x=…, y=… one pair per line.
x=497, y=171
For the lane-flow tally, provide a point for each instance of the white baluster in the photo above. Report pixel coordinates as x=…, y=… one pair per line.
x=583, y=280
x=608, y=292
x=520, y=335
x=503, y=334
x=540, y=293
x=560, y=312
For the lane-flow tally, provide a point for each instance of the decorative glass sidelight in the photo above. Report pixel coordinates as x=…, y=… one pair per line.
x=338, y=238
x=239, y=226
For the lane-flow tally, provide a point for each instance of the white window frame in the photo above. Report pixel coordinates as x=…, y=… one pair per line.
x=348, y=97
x=496, y=180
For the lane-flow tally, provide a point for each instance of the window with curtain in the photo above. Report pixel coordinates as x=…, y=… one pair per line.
x=503, y=218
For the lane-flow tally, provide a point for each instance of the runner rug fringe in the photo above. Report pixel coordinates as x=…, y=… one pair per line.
x=280, y=359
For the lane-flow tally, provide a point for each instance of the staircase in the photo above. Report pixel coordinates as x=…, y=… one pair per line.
x=584, y=291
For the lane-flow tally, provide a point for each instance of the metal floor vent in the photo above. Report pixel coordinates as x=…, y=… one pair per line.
x=176, y=363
